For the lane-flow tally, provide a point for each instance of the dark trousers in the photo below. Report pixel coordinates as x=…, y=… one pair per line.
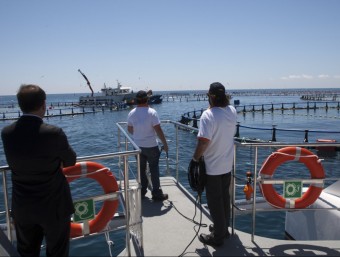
x=150, y=155
x=56, y=233
x=218, y=199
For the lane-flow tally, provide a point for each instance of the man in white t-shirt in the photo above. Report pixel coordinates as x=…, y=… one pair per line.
x=216, y=143
x=144, y=125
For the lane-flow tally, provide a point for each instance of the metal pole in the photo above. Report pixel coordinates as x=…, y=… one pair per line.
x=233, y=193
x=8, y=216
x=127, y=206
x=306, y=136
x=237, y=134
x=274, y=134
x=254, y=196
x=177, y=153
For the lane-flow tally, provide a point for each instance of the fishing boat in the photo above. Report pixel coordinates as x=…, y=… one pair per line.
x=171, y=227
x=114, y=96
x=120, y=94
x=109, y=96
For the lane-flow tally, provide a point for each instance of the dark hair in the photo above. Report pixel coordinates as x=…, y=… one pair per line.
x=217, y=95
x=219, y=101
x=30, y=97
x=141, y=97
x=141, y=100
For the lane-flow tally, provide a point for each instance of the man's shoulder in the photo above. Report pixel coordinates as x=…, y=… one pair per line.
x=206, y=112
x=45, y=127
x=152, y=110
x=231, y=107
x=8, y=128
x=131, y=112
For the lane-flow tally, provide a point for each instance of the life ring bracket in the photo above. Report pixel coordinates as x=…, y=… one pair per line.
x=109, y=196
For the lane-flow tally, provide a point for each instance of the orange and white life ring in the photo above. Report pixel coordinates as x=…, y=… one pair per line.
x=109, y=184
x=310, y=160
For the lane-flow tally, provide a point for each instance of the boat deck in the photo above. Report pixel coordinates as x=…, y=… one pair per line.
x=166, y=232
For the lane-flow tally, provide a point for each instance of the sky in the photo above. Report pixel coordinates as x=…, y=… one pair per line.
x=169, y=44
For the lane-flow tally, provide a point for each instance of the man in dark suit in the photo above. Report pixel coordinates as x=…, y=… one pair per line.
x=36, y=152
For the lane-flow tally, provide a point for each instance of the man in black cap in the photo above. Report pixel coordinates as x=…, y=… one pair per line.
x=145, y=126
x=216, y=143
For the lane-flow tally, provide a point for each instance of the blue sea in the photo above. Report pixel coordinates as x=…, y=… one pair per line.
x=97, y=134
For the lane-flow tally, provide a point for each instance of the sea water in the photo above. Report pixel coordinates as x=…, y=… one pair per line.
x=96, y=133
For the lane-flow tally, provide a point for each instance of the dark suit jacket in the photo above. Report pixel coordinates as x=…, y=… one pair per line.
x=34, y=151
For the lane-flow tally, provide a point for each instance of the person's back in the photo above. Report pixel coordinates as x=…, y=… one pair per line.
x=41, y=197
x=144, y=119
x=33, y=152
x=144, y=125
x=215, y=142
x=220, y=129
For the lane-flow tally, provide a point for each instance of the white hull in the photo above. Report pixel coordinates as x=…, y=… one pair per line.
x=317, y=224
x=99, y=100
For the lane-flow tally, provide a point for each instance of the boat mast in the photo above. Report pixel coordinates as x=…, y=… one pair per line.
x=88, y=82
x=118, y=85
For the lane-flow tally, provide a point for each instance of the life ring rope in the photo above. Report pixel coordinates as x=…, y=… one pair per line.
x=268, y=179
x=83, y=174
x=298, y=155
x=310, y=160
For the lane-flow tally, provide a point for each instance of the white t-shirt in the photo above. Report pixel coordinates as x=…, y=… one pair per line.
x=218, y=125
x=143, y=119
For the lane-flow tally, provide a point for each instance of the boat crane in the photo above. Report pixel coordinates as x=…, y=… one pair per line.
x=88, y=82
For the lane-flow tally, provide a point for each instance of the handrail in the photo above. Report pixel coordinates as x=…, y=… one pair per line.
x=4, y=169
x=128, y=139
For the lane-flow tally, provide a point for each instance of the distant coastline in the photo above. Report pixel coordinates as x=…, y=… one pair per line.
x=250, y=92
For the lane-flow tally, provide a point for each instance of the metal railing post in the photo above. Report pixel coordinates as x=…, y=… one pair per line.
x=8, y=216
x=274, y=133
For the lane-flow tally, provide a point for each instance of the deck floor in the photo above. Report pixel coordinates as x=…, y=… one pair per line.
x=167, y=232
